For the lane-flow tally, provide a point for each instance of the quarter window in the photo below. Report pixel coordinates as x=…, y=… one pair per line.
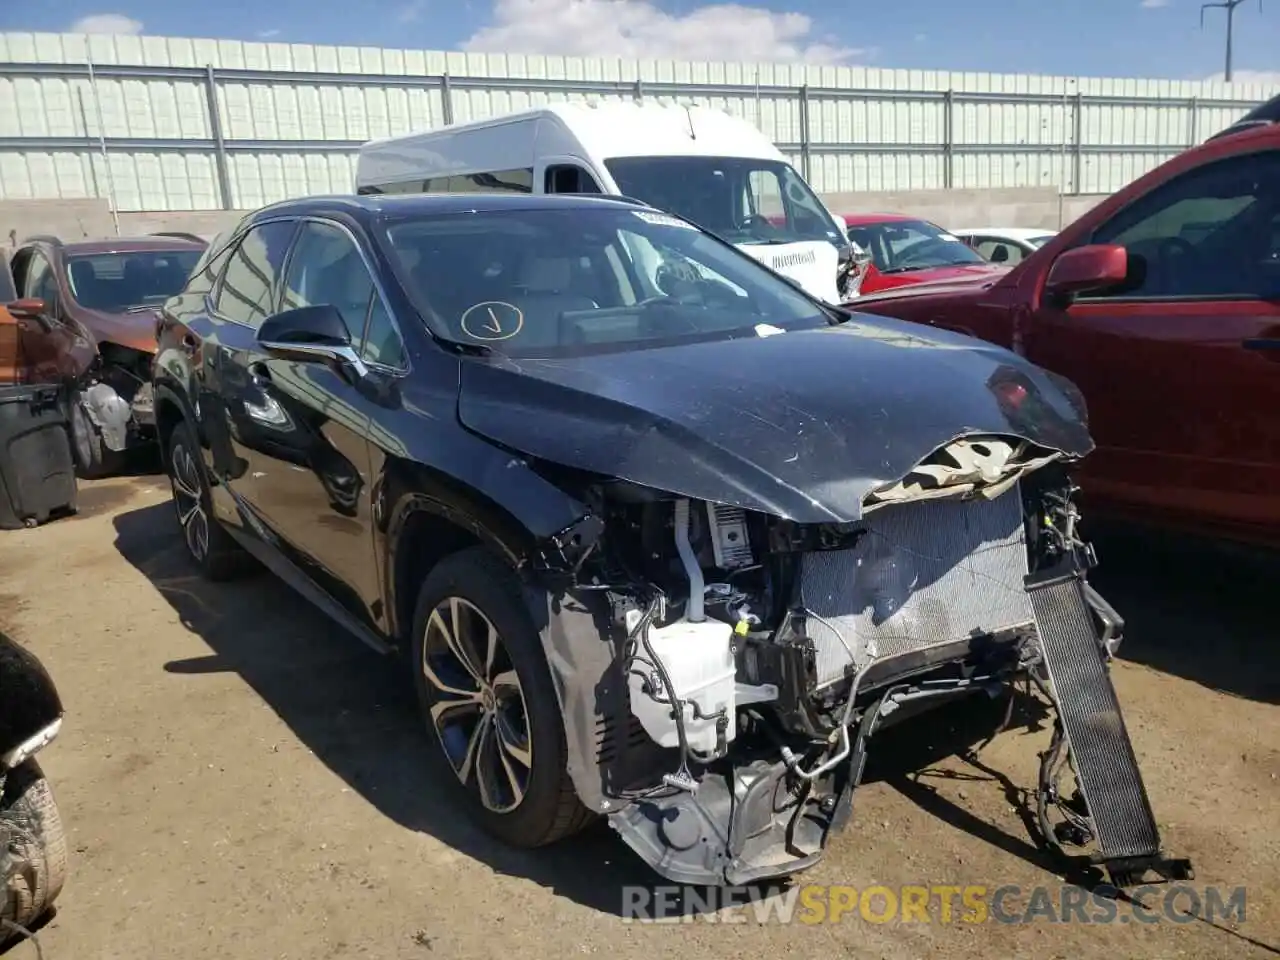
x=1210, y=233
x=247, y=292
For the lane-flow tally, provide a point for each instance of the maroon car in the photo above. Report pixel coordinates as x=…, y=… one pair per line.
x=1162, y=304
x=90, y=309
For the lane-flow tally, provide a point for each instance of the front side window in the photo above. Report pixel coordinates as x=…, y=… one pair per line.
x=118, y=281
x=247, y=291
x=999, y=251
x=905, y=246
x=1210, y=232
x=40, y=281
x=327, y=268
x=743, y=200
x=569, y=178
x=544, y=282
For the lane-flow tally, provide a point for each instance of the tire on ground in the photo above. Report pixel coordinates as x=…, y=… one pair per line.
x=550, y=810
x=32, y=832
x=224, y=559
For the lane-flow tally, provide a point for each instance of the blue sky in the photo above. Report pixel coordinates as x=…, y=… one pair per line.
x=1130, y=38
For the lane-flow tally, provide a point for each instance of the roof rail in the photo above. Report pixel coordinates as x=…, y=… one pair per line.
x=180, y=235
x=618, y=198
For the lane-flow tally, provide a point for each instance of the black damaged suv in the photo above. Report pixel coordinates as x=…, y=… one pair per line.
x=659, y=536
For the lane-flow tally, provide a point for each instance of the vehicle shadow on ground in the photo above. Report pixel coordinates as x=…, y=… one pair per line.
x=1197, y=610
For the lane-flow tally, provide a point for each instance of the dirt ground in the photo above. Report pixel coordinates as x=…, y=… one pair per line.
x=240, y=779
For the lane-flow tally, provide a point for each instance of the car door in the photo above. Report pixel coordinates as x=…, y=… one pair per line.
x=1179, y=363
x=306, y=429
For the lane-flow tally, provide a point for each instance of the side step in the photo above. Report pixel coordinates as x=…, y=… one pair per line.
x=1105, y=766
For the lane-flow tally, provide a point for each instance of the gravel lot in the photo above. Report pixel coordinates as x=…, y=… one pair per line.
x=240, y=779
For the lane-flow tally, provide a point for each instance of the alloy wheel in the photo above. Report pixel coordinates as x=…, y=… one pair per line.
x=188, y=500
x=478, y=707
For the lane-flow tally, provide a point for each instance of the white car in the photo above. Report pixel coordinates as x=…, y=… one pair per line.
x=1007, y=245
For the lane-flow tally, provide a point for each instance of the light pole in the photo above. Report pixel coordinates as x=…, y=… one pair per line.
x=1230, y=7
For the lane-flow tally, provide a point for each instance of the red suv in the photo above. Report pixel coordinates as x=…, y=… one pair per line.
x=1162, y=304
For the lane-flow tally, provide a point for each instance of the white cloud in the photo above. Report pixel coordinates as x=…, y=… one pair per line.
x=268, y=34
x=411, y=11
x=1154, y=4
x=116, y=23
x=638, y=29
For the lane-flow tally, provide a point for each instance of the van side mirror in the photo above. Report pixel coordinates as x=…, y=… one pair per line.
x=1088, y=268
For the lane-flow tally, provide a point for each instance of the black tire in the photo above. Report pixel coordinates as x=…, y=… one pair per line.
x=32, y=833
x=216, y=553
x=93, y=458
x=549, y=809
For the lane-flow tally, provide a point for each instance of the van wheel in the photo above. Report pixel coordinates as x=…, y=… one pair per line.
x=93, y=458
x=33, y=847
x=211, y=548
x=487, y=700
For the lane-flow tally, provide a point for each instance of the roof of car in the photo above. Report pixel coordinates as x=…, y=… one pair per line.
x=408, y=204
x=119, y=244
x=863, y=219
x=1004, y=233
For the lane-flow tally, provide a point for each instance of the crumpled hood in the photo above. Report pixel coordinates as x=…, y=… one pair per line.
x=801, y=424
x=136, y=330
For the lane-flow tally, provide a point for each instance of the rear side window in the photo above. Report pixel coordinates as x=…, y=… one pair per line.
x=247, y=291
x=519, y=180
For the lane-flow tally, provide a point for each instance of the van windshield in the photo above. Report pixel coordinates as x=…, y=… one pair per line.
x=743, y=200
x=545, y=282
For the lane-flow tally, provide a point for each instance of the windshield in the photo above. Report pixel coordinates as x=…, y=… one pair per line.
x=543, y=282
x=745, y=201
x=117, y=281
x=900, y=246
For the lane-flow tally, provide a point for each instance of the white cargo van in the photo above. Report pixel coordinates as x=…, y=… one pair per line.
x=716, y=170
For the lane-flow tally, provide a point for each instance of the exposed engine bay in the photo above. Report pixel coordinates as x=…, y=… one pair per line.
x=748, y=660
x=115, y=394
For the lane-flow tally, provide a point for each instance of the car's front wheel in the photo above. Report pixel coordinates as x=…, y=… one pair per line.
x=212, y=549
x=33, y=849
x=487, y=699
x=94, y=459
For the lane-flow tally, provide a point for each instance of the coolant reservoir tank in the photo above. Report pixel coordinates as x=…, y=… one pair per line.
x=698, y=659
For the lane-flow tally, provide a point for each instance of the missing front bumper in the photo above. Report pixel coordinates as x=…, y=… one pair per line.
x=746, y=829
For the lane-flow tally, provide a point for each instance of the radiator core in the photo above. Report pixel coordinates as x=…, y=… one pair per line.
x=925, y=574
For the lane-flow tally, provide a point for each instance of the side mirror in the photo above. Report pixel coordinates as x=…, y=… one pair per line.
x=1091, y=267
x=28, y=308
x=310, y=334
